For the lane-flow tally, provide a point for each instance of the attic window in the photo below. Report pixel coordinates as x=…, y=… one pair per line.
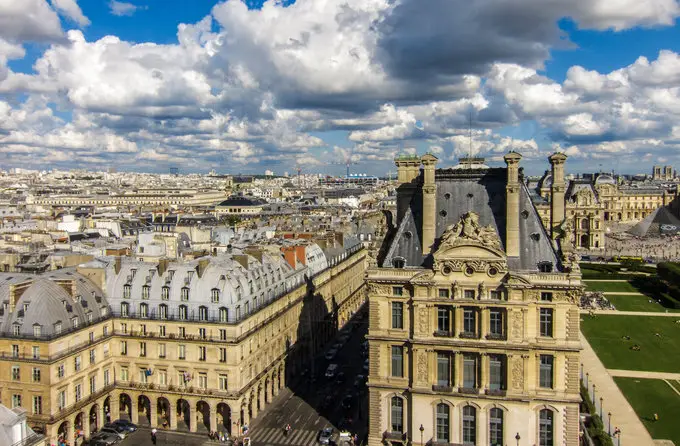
x=443, y=213
x=545, y=267
x=525, y=214
x=535, y=236
x=398, y=262
x=408, y=235
x=447, y=196
x=470, y=195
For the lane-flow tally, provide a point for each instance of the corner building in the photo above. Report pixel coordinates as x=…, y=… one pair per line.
x=474, y=323
x=197, y=346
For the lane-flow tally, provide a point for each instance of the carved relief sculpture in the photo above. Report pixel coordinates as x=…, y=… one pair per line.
x=422, y=319
x=518, y=373
x=422, y=367
x=517, y=325
x=468, y=229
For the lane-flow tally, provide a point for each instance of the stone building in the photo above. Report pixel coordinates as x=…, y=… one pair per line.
x=473, y=316
x=198, y=345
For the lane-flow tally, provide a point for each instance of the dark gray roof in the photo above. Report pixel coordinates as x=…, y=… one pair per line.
x=241, y=201
x=481, y=191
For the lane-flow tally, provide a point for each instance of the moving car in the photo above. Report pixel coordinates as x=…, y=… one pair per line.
x=104, y=439
x=113, y=431
x=131, y=427
x=325, y=435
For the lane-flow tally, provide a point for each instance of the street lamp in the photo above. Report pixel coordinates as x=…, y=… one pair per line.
x=601, y=400
x=610, y=423
x=421, y=429
x=517, y=437
x=593, y=393
x=587, y=379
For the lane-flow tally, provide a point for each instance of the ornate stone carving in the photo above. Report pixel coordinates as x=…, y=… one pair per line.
x=518, y=374
x=422, y=319
x=468, y=229
x=480, y=291
x=517, y=325
x=375, y=288
x=422, y=367
x=574, y=296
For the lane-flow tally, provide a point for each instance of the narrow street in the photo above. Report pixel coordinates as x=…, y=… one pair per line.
x=315, y=402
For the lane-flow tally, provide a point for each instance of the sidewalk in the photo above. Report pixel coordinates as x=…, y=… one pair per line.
x=630, y=313
x=633, y=432
x=642, y=374
x=604, y=280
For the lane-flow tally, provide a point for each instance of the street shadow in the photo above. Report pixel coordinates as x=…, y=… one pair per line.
x=316, y=376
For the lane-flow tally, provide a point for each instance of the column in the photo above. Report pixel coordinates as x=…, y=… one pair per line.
x=458, y=321
x=86, y=422
x=484, y=315
x=153, y=412
x=115, y=406
x=172, y=414
x=213, y=417
x=459, y=371
x=134, y=410
x=484, y=384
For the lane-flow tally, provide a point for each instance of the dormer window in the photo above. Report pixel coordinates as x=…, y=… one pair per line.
x=37, y=330
x=145, y=291
x=126, y=291
x=545, y=267
x=74, y=322
x=215, y=296
x=185, y=293
x=16, y=329
x=133, y=273
x=171, y=274
x=26, y=306
x=165, y=293
x=57, y=327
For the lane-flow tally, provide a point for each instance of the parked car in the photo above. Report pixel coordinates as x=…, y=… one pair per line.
x=325, y=435
x=104, y=439
x=114, y=431
x=331, y=370
x=119, y=428
x=126, y=424
x=330, y=354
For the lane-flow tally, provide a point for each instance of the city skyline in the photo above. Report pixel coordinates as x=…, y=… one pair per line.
x=250, y=86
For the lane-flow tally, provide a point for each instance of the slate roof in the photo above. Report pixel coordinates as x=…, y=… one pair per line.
x=481, y=191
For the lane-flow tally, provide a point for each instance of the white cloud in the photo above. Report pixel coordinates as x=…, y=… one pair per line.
x=32, y=20
x=123, y=8
x=70, y=9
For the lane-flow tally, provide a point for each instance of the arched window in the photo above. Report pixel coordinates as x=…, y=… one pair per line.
x=165, y=293
x=203, y=313
x=585, y=224
x=443, y=423
x=469, y=426
x=163, y=311
x=496, y=427
x=183, y=312
x=397, y=414
x=185, y=294
x=143, y=310
x=215, y=294
x=545, y=428
x=146, y=291
x=124, y=309
x=224, y=314
x=126, y=291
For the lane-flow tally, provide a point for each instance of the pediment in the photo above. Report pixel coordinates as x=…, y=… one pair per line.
x=468, y=249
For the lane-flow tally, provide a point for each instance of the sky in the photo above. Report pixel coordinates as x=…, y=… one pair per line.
x=241, y=86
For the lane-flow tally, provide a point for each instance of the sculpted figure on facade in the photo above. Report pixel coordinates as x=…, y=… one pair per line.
x=517, y=325
x=422, y=367
x=468, y=228
x=518, y=373
x=422, y=319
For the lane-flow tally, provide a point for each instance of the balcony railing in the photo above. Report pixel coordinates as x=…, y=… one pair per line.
x=57, y=356
x=495, y=392
x=443, y=334
x=468, y=390
x=442, y=388
x=33, y=439
x=496, y=337
x=388, y=435
x=469, y=335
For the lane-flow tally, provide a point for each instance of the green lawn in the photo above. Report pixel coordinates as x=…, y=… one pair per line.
x=650, y=396
x=619, y=287
x=635, y=302
x=658, y=354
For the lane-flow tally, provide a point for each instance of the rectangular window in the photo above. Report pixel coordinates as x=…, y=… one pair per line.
x=444, y=369
x=37, y=405
x=61, y=400
x=15, y=351
x=93, y=384
x=470, y=371
x=36, y=352
x=182, y=332
x=105, y=330
x=546, y=322
x=162, y=377
x=202, y=333
x=397, y=315
x=223, y=383
x=201, y=353
x=495, y=295
x=78, y=392
x=444, y=293
x=107, y=377
x=16, y=375
x=546, y=296
x=469, y=294
x=443, y=319
x=185, y=294
x=60, y=371
x=203, y=381
x=397, y=361
x=161, y=330
x=92, y=356
x=16, y=400
x=496, y=324
x=181, y=351
x=223, y=334
x=143, y=376
x=77, y=363
x=496, y=372
x=142, y=329
x=223, y=354
x=161, y=351
x=37, y=331
x=397, y=291
x=546, y=372
x=469, y=321
x=142, y=349
x=123, y=348
x=123, y=373
x=36, y=375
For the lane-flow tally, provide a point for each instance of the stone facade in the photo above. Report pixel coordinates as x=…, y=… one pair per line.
x=474, y=339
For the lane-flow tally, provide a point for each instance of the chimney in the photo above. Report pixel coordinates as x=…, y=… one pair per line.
x=202, y=266
x=512, y=190
x=557, y=192
x=289, y=255
x=255, y=252
x=408, y=168
x=429, y=201
x=242, y=259
x=339, y=239
x=116, y=264
x=163, y=266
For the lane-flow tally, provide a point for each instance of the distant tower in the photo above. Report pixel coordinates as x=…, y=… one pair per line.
x=174, y=171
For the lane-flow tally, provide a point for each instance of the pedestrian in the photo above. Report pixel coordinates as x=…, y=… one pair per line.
x=153, y=436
